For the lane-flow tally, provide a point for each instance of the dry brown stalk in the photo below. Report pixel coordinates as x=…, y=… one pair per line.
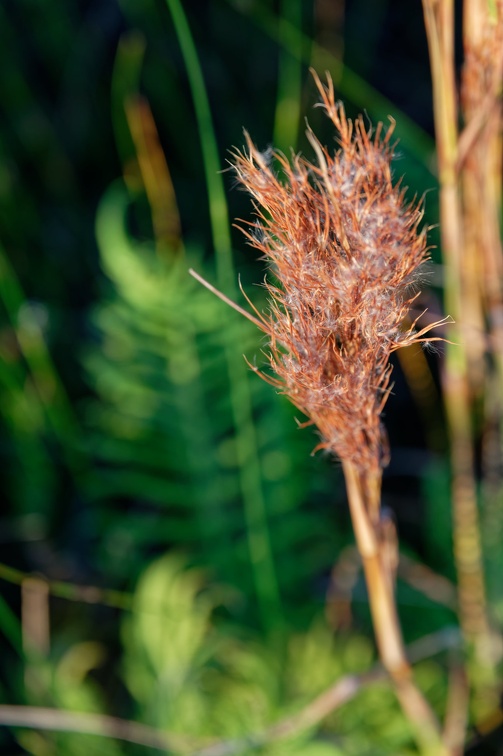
x=480, y=172
x=481, y=181
x=469, y=166
x=456, y=716
x=346, y=252
x=58, y=720
x=389, y=639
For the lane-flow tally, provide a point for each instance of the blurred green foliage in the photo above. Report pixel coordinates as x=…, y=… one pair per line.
x=131, y=425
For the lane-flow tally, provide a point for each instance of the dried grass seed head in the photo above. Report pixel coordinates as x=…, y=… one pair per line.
x=345, y=248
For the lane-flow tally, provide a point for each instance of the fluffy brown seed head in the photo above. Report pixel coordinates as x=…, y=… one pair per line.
x=345, y=249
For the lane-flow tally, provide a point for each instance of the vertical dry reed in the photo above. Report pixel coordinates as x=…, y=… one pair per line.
x=480, y=168
x=469, y=165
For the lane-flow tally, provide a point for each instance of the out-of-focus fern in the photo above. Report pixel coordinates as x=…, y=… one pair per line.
x=191, y=679
x=66, y=683
x=162, y=430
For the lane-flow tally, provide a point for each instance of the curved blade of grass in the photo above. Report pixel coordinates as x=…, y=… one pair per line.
x=259, y=541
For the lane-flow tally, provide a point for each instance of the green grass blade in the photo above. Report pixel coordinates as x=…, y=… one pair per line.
x=259, y=541
x=287, y=116
x=218, y=205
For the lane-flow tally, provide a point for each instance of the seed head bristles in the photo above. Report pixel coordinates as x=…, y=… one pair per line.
x=345, y=250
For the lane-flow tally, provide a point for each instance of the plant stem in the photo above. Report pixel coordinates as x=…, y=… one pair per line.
x=439, y=22
x=287, y=116
x=481, y=173
x=385, y=618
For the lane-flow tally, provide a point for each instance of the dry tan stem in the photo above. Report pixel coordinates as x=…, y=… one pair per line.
x=42, y=718
x=457, y=711
x=35, y=627
x=439, y=21
x=480, y=173
x=482, y=78
x=436, y=587
x=35, y=622
x=385, y=619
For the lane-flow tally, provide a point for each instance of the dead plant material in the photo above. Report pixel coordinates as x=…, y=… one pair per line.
x=346, y=252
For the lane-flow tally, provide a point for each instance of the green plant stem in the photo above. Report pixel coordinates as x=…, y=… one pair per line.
x=259, y=541
x=287, y=116
x=219, y=216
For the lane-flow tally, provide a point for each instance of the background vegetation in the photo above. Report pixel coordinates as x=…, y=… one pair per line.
x=171, y=553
